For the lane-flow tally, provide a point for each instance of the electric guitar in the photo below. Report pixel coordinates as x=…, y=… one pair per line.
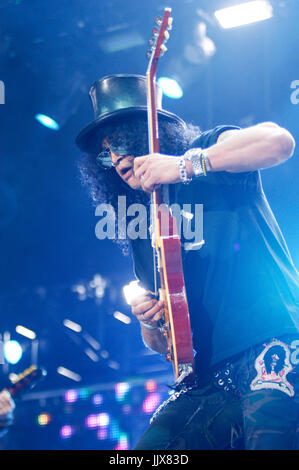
x=165, y=239
x=26, y=380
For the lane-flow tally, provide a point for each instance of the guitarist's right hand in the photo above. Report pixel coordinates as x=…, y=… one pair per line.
x=147, y=309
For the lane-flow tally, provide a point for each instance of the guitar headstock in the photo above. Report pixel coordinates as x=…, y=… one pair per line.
x=160, y=36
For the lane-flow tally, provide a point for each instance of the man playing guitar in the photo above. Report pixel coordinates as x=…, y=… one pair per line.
x=242, y=286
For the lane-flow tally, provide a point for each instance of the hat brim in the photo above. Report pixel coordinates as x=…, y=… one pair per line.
x=88, y=139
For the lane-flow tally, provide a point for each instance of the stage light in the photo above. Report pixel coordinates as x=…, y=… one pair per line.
x=244, y=13
x=91, y=421
x=43, y=419
x=132, y=291
x=47, y=121
x=25, y=332
x=151, y=402
x=12, y=351
x=151, y=385
x=97, y=399
x=83, y=393
x=81, y=291
x=170, y=87
x=99, y=285
x=71, y=396
x=121, y=389
x=66, y=431
x=102, y=434
x=72, y=325
x=114, y=431
x=91, y=354
x=104, y=354
x=90, y=340
x=69, y=374
x=127, y=409
x=101, y=420
x=122, y=317
x=123, y=443
x=114, y=365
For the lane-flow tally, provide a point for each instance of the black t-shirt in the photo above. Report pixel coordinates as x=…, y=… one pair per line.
x=242, y=286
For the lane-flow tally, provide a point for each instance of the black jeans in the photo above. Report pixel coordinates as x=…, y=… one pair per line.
x=251, y=403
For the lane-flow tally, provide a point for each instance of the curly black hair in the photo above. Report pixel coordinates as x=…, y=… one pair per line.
x=105, y=186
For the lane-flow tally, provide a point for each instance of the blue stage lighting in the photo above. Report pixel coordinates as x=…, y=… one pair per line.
x=170, y=87
x=12, y=351
x=47, y=121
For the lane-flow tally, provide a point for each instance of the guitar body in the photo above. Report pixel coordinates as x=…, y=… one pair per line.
x=179, y=335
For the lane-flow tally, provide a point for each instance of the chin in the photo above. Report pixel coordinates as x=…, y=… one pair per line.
x=134, y=184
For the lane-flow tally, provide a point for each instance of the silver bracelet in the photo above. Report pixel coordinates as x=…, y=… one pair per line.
x=183, y=172
x=148, y=327
x=199, y=161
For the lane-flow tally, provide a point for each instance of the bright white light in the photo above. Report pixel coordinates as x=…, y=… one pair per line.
x=170, y=87
x=47, y=121
x=93, y=342
x=68, y=373
x=91, y=354
x=72, y=325
x=132, y=291
x=122, y=317
x=244, y=13
x=25, y=332
x=12, y=351
x=103, y=419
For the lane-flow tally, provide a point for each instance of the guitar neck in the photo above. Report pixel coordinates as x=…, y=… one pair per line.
x=152, y=112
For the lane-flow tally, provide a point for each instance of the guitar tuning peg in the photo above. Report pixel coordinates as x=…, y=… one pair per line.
x=149, y=54
x=158, y=21
x=170, y=21
x=166, y=35
x=155, y=32
x=163, y=49
x=151, y=42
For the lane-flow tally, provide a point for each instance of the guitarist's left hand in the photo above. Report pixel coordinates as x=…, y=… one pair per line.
x=156, y=169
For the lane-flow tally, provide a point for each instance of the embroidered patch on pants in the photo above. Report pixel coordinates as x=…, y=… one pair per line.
x=272, y=366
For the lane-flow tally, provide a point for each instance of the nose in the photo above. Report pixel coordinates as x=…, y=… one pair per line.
x=116, y=162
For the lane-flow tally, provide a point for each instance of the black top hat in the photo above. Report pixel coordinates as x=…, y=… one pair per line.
x=114, y=97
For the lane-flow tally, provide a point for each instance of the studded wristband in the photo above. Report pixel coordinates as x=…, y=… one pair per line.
x=183, y=172
x=199, y=161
